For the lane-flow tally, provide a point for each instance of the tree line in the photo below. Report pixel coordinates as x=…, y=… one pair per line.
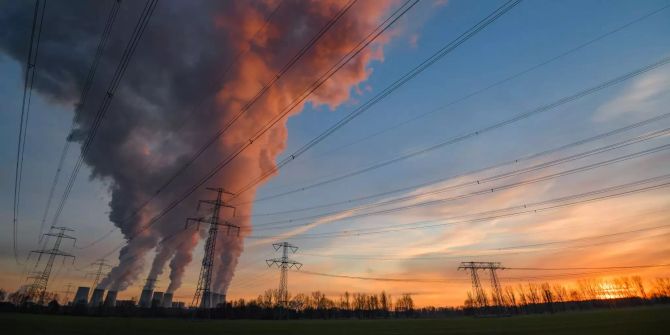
x=515, y=299
x=586, y=293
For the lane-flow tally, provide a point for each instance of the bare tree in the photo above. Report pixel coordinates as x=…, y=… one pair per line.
x=533, y=293
x=639, y=286
x=509, y=296
x=405, y=303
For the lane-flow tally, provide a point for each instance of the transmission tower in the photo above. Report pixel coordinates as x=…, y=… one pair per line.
x=480, y=295
x=495, y=284
x=203, y=294
x=101, y=264
x=68, y=291
x=284, y=264
x=41, y=280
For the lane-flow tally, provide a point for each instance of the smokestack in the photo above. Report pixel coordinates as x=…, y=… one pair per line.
x=81, y=297
x=110, y=300
x=145, y=298
x=167, y=300
x=96, y=298
x=157, y=300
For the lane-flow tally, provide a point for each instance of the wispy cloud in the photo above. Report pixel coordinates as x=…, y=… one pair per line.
x=644, y=95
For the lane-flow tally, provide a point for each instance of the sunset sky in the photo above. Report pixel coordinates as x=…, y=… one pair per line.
x=541, y=191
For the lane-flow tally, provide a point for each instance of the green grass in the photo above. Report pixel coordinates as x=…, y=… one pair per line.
x=646, y=320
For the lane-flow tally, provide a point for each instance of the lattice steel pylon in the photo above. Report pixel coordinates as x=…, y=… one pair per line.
x=40, y=282
x=102, y=264
x=203, y=295
x=480, y=295
x=68, y=291
x=496, y=291
x=284, y=264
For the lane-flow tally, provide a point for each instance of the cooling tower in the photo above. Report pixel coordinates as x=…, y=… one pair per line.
x=96, y=297
x=206, y=301
x=110, y=300
x=82, y=295
x=167, y=300
x=157, y=300
x=145, y=298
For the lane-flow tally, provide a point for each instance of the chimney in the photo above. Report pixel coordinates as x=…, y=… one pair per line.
x=167, y=300
x=110, y=300
x=82, y=295
x=96, y=297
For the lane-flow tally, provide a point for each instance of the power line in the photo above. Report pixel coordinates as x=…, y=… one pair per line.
x=449, y=280
x=512, y=247
x=343, y=61
x=383, y=279
x=500, y=11
x=276, y=224
x=475, y=171
x=88, y=83
x=500, y=82
x=481, y=181
x=561, y=202
x=29, y=80
x=131, y=46
x=591, y=268
x=475, y=133
x=491, y=253
x=243, y=110
x=213, y=139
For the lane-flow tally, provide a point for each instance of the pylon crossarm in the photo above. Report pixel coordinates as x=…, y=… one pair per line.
x=210, y=202
x=61, y=228
x=273, y=261
x=219, y=189
x=196, y=220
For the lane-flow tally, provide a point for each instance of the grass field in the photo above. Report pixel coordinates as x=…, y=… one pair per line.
x=647, y=320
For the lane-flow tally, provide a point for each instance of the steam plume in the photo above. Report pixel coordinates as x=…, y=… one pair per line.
x=152, y=127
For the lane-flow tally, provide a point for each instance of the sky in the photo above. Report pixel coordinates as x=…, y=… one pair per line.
x=490, y=196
